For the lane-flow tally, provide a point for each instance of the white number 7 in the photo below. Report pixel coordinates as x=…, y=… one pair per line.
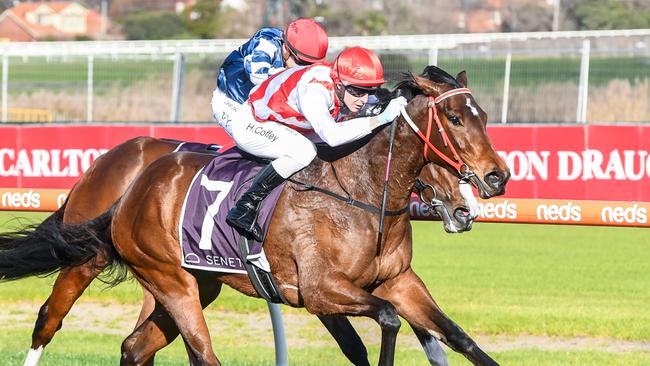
x=213, y=209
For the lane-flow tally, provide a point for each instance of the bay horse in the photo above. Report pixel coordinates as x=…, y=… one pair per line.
x=322, y=251
x=107, y=179
x=374, y=280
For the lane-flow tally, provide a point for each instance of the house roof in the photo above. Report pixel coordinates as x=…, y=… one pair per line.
x=19, y=14
x=22, y=25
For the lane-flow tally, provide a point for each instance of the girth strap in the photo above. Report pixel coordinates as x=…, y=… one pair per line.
x=349, y=200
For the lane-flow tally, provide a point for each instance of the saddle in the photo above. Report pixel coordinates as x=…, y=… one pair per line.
x=207, y=242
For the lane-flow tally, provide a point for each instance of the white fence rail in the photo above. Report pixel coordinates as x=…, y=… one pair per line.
x=581, y=76
x=216, y=46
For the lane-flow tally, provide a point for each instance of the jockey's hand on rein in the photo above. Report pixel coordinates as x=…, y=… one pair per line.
x=392, y=110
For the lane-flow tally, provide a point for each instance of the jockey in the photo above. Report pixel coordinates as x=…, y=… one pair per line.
x=268, y=52
x=300, y=105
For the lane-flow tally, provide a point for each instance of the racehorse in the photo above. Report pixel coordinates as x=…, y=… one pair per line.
x=364, y=280
x=108, y=178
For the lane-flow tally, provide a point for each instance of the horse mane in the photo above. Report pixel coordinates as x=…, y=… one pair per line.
x=438, y=75
x=409, y=88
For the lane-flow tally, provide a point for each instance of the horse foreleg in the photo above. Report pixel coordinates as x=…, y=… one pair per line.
x=336, y=295
x=157, y=337
x=156, y=329
x=415, y=304
x=151, y=335
x=148, y=304
x=435, y=354
x=68, y=287
x=347, y=338
x=154, y=335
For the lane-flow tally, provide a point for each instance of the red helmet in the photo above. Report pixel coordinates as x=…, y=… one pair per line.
x=307, y=40
x=358, y=66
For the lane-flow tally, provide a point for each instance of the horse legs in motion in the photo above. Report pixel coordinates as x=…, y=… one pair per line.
x=158, y=329
x=415, y=304
x=347, y=338
x=355, y=351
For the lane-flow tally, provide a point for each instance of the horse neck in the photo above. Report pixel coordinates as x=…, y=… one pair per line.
x=365, y=169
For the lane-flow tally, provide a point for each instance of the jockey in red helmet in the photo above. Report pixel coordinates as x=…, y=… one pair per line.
x=305, y=42
x=269, y=51
x=296, y=107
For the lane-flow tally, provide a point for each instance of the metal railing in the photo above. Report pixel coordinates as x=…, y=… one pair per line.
x=582, y=76
x=215, y=46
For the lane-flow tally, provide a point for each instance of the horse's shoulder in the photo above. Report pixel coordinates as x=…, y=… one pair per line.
x=314, y=173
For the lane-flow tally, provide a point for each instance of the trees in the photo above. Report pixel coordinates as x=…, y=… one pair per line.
x=202, y=19
x=207, y=19
x=153, y=26
x=198, y=21
x=527, y=18
x=612, y=14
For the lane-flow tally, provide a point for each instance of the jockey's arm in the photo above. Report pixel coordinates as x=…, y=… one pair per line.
x=314, y=101
x=259, y=64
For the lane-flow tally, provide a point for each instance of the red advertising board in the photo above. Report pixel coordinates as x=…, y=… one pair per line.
x=569, y=163
x=56, y=156
x=594, y=162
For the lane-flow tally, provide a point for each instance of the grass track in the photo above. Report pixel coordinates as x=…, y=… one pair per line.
x=496, y=280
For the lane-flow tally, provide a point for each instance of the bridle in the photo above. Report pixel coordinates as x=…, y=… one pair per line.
x=458, y=164
x=435, y=204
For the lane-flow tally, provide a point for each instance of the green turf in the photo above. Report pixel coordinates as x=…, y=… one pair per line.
x=553, y=280
x=90, y=349
x=498, y=279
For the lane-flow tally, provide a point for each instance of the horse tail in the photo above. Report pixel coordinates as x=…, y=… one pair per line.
x=45, y=248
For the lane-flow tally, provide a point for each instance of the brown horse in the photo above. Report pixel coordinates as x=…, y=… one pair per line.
x=308, y=243
x=106, y=181
x=366, y=280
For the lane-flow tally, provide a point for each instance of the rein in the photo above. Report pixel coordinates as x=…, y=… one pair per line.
x=349, y=200
x=457, y=162
x=384, y=195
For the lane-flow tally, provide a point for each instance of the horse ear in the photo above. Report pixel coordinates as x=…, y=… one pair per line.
x=462, y=78
x=427, y=86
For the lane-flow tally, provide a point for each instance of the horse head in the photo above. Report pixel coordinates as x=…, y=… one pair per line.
x=440, y=189
x=451, y=125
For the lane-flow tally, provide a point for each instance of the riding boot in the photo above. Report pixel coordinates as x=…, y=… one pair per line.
x=243, y=215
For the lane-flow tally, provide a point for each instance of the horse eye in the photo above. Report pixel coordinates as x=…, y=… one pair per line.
x=454, y=119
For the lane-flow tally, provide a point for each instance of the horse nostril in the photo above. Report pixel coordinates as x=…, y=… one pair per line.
x=462, y=214
x=495, y=179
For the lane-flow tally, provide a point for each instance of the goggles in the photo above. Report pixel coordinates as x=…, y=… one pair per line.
x=357, y=91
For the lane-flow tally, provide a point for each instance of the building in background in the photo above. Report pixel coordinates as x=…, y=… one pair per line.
x=38, y=21
x=122, y=8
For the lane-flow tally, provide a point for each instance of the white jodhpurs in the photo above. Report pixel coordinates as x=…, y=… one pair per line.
x=226, y=110
x=288, y=149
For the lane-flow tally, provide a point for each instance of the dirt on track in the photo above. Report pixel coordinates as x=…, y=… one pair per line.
x=301, y=328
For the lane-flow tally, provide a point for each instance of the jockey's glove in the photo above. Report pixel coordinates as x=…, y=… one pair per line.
x=392, y=110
